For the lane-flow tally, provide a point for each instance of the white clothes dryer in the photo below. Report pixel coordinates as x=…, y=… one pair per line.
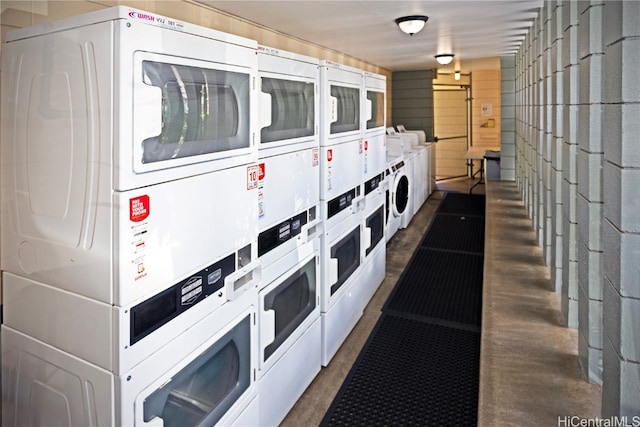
x=341, y=260
x=374, y=118
x=204, y=375
x=397, y=146
x=289, y=175
x=290, y=331
x=374, y=241
x=104, y=203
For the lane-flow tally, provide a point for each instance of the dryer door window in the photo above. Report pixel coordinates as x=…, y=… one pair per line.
x=401, y=194
x=203, y=391
x=376, y=100
x=375, y=222
x=345, y=109
x=347, y=253
x=200, y=111
x=292, y=301
x=292, y=109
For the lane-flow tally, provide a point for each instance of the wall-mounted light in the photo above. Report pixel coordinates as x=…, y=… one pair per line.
x=444, y=58
x=456, y=75
x=412, y=24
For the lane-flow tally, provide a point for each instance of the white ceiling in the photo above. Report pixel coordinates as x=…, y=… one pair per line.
x=470, y=29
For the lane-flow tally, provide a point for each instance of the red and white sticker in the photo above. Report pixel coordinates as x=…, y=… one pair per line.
x=315, y=157
x=139, y=208
x=329, y=155
x=262, y=171
x=253, y=173
x=366, y=145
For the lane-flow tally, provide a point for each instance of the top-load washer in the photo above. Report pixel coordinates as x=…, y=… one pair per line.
x=422, y=165
x=129, y=158
x=289, y=222
x=341, y=199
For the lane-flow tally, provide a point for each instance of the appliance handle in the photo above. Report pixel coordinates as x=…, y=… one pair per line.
x=147, y=112
x=265, y=110
x=267, y=328
x=367, y=237
x=333, y=270
x=333, y=109
x=368, y=111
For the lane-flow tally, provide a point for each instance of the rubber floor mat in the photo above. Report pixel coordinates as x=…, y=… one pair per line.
x=463, y=204
x=455, y=233
x=411, y=373
x=440, y=285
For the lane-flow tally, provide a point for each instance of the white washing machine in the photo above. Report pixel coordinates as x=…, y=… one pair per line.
x=422, y=165
x=374, y=118
x=110, y=204
x=205, y=375
x=341, y=201
x=399, y=196
x=400, y=146
x=290, y=331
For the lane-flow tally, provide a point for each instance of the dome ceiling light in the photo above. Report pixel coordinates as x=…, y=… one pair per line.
x=444, y=58
x=412, y=24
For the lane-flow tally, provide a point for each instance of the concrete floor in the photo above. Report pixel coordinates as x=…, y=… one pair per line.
x=529, y=373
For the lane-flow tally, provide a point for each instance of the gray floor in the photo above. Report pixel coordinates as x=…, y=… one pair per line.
x=529, y=363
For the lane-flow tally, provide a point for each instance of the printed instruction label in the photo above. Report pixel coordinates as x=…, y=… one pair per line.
x=253, y=173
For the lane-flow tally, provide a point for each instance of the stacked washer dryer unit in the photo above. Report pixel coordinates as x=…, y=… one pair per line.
x=129, y=223
x=374, y=185
x=341, y=202
x=289, y=226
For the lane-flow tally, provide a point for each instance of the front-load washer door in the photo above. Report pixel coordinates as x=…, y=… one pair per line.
x=400, y=194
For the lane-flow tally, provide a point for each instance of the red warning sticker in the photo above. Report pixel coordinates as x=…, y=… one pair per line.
x=139, y=208
x=329, y=155
x=261, y=172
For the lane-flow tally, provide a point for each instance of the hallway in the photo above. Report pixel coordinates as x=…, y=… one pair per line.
x=529, y=362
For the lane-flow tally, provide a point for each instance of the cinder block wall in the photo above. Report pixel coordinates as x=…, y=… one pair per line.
x=577, y=166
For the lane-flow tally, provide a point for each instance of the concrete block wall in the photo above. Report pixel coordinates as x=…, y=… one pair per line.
x=557, y=129
x=621, y=222
x=508, y=119
x=577, y=166
x=590, y=196
x=570, y=84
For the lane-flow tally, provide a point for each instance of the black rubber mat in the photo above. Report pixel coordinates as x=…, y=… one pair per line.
x=455, y=233
x=463, y=204
x=411, y=373
x=421, y=364
x=440, y=285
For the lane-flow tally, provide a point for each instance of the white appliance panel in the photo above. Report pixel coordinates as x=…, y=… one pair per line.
x=341, y=168
x=375, y=154
x=373, y=274
x=287, y=185
x=340, y=319
x=44, y=386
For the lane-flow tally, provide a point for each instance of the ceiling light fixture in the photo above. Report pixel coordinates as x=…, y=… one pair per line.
x=445, y=58
x=412, y=24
